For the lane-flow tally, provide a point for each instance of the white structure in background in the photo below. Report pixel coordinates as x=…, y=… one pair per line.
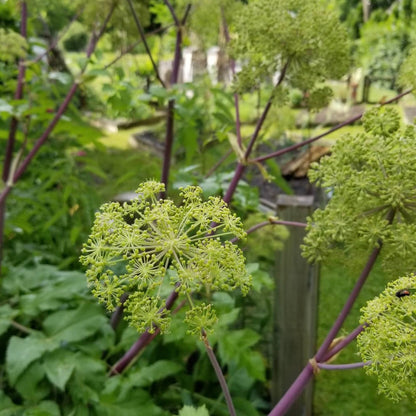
x=196, y=63
x=212, y=63
x=187, y=66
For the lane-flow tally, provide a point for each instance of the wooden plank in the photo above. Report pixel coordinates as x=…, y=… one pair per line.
x=295, y=307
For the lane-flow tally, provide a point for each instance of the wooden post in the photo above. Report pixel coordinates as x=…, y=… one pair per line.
x=295, y=307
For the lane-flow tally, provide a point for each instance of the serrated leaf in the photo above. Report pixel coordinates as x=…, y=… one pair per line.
x=21, y=352
x=75, y=325
x=192, y=411
x=59, y=366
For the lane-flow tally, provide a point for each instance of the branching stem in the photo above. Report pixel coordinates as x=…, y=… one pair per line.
x=220, y=376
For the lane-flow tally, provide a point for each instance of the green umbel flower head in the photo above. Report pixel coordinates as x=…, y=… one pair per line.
x=389, y=341
x=134, y=248
x=304, y=38
x=371, y=177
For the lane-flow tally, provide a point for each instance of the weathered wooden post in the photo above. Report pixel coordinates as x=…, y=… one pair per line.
x=295, y=306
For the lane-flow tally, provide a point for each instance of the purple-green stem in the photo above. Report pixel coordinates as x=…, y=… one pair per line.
x=350, y=366
x=144, y=41
x=343, y=343
x=143, y=340
x=241, y=164
x=236, y=97
x=271, y=222
x=324, y=350
x=220, y=376
x=171, y=104
x=331, y=130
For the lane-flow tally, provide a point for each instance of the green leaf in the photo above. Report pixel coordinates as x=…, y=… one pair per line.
x=236, y=347
x=21, y=352
x=192, y=411
x=31, y=385
x=59, y=366
x=62, y=77
x=159, y=370
x=253, y=362
x=44, y=408
x=277, y=177
x=6, y=315
x=139, y=403
x=75, y=325
x=5, y=107
x=7, y=407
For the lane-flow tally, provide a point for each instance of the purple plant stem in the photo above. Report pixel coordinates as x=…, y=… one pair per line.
x=145, y=44
x=236, y=97
x=240, y=166
x=349, y=366
x=141, y=343
x=331, y=130
x=220, y=376
x=171, y=104
x=62, y=108
x=271, y=222
x=343, y=343
x=17, y=96
x=306, y=374
x=118, y=313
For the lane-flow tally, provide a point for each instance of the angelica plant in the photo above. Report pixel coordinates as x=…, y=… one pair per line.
x=388, y=340
x=371, y=179
x=302, y=38
x=135, y=248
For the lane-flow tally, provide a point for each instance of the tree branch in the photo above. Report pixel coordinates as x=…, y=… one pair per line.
x=131, y=47
x=145, y=44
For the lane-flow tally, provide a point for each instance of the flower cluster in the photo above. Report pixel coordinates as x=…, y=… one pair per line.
x=141, y=247
x=371, y=177
x=390, y=337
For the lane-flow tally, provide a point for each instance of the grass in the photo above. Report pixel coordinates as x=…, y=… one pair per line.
x=349, y=392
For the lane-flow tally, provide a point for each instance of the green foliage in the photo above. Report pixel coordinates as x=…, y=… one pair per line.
x=304, y=36
x=382, y=48
x=272, y=238
x=53, y=205
x=191, y=411
x=371, y=179
x=407, y=74
x=134, y=248
x=12, y=46
x=388, y=340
